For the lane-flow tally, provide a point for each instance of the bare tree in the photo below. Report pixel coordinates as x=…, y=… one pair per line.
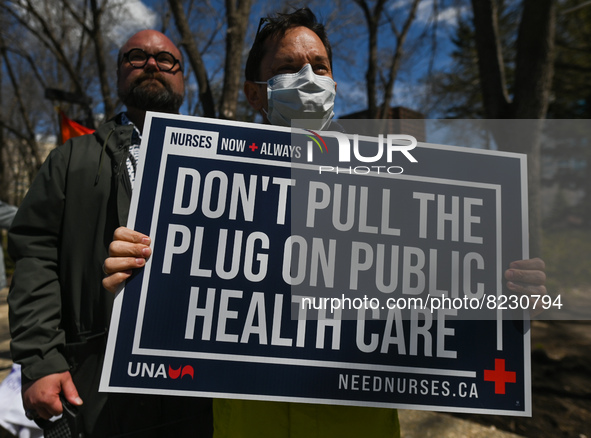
x=401, y=35
x=236, y=22
x=195, y=59
x=93, y=28
x=533, y=79
x=37, y=22
x=533, y=63
x=24, y=139
x=63, y=45
x=373, y=18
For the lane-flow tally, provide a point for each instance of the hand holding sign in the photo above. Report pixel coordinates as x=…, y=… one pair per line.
x=527, y=277
x=129, y=250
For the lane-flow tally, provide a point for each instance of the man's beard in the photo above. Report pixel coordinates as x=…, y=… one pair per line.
x=148, y=98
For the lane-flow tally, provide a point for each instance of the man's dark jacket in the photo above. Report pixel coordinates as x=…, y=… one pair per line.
x=59, y=311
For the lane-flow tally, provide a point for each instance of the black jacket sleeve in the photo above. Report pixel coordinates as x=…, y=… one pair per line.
x=34, y=298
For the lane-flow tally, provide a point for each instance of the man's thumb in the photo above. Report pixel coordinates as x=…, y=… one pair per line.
x=69, y=390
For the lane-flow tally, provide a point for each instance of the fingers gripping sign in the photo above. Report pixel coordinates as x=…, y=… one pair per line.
x=527, y=277
x=129, y=250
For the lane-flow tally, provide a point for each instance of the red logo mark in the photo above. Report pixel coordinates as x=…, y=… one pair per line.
x=181, y=372
x=500, y=376
x=316, y=141
x=253, y=147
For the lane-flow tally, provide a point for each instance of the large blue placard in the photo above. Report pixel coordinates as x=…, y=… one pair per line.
x=284, y=269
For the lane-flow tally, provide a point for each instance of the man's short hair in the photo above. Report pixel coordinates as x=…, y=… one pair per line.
x=275, y=27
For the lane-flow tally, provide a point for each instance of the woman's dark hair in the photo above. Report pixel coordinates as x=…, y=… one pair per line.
x=276, y=26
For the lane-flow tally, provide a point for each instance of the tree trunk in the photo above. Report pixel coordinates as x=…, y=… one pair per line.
x=490, y=60
x=237, y=12
x=372, y=19
x=533, y=78
x=99, y=48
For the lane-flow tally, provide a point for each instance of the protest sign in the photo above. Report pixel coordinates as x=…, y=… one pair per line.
x=321, y=267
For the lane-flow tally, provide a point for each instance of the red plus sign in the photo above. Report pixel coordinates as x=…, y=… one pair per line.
x=499, y=376
x=253, y=147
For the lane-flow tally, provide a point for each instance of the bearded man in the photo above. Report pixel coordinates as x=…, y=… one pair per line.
x=59, y=312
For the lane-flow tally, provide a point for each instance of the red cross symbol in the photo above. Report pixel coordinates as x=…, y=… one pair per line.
x=500, y=376
x=253, y=147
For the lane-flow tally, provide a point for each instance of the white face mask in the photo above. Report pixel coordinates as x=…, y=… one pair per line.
x=301, y=95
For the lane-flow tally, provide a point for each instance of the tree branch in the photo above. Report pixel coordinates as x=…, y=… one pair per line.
x=188, y=42
x=397, y=58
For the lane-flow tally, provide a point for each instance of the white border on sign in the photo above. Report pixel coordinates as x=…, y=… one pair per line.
x=138, y=350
